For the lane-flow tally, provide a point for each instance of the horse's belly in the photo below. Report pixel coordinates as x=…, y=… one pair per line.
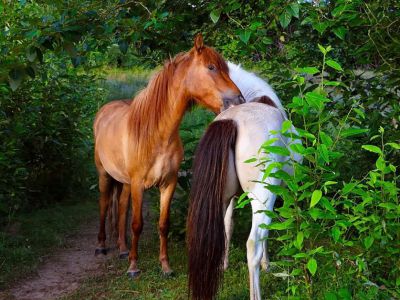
x=165, y=166
x=116, y=173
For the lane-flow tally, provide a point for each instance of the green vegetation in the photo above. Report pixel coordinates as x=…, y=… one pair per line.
x=337, y=235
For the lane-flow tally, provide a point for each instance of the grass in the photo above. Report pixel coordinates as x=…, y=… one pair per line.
x=124, y=84
x=114, y=284
x=30, y=237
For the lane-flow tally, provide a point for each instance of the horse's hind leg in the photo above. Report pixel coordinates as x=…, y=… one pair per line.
x=228, y=222
x=263, y=200
x=137, y=226
x=265, y=259
x=105, y=187
x=122, y=218
x=167, y=192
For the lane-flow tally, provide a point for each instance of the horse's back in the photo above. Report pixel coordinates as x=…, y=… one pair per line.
x=254, y=124
x=110, y=112
x=110, y=132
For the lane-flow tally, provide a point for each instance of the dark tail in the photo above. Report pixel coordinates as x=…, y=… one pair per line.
x=205, y=225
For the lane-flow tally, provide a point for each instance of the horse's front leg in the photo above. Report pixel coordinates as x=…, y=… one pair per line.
x=166, y=191
x=137, y=226
x=122, y=217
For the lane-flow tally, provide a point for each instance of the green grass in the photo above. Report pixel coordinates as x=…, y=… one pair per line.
x=114, y=284
x=124, y=84
x=30, y=237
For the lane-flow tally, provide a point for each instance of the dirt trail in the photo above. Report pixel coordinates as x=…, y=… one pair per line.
x=62, y=272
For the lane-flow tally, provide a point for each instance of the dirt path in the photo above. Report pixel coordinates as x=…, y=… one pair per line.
x=62, y=272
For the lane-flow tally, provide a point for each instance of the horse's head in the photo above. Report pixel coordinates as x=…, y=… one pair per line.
x=207, y=79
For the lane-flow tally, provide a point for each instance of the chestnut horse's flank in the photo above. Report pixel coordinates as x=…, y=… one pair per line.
x=137, y=144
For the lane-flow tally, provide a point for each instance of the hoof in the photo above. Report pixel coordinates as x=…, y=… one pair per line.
x=169, y=274
x=133, y=274
x=123, y=255
x=99, y=251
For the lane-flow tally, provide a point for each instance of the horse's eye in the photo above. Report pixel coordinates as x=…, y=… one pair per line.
x=211, y=67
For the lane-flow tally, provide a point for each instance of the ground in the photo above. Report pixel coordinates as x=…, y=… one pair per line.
x=73, y=272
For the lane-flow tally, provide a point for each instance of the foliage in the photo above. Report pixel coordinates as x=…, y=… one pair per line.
x=329, y=227
x=345, y=194
x=46, y=129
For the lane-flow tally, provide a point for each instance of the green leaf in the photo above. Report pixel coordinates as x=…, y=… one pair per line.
x=368, y=241
x=298, y=148
x=323, y=151
x=294, y=9
x=300, y=239
x=308, y=70
x=352, y=131
x=334, y=64
x=276, y=189
x=335, y=233
x=348, y=187
x=277, y=150
x=281, y=226
x=380, y=163
x=250, y=160
x=214, y=15
x=326, y=139
x=286, y=125
x=340, y=32
x=338, y=9
x=322, y=49
x=269, y=142
x=333, y=83
x=285, y=18
x=312, y=266
x=255, y=25
x=320, y=26
x=315, y=197
x=394, y=145
x=316, y=100
x=243, y=200
x=372, y=148
x=244, y=36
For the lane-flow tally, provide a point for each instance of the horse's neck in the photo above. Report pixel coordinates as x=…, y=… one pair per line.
x=169, y=116
x=252, y=86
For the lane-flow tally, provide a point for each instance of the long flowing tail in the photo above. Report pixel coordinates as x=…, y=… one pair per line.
x=205, y=225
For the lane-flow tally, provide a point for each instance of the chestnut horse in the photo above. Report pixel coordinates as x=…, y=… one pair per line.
x=137, y=143
x=219, y=173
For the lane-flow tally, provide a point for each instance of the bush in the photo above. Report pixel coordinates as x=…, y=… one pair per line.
x=46, y=128
x=338, y=232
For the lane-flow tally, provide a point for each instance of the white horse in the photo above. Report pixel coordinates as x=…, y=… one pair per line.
x=220, y=173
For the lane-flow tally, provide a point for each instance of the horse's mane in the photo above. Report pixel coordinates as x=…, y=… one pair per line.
x=252, y=86
x=151, y=104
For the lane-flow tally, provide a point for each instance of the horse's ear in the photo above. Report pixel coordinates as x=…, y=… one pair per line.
x=198, y=42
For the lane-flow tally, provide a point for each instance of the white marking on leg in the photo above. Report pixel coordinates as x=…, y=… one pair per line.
x=228, y=222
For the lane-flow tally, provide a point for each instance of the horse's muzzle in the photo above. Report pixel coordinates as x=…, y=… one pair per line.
x=233, y=101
